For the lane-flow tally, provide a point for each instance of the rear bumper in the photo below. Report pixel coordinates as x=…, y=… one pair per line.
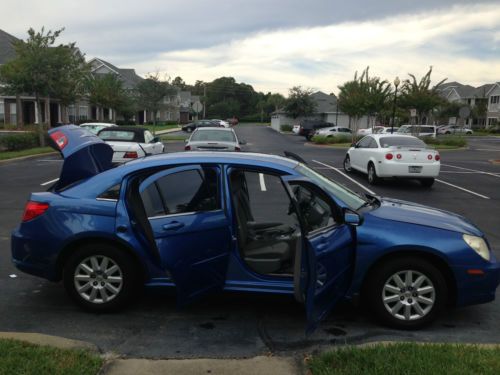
x=476, y=289
x=398, y=169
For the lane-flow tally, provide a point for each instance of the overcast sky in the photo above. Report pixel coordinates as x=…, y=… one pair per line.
x=276, y=44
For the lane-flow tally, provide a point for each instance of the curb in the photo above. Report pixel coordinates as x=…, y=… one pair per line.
x=49, y=340
x=166, y=131
x=29, y=156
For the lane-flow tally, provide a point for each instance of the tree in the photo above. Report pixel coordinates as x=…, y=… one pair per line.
x=276, y=101
x=179, y=82
x=376, y=94
x=151, y=93
x=420, y=95
x=299, y=102
x=352, y=100
x=105, y=91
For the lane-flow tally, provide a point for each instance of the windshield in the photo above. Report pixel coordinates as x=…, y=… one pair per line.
x=350, y=198
x=116, y=135
x=386, y=142
x=213, y=136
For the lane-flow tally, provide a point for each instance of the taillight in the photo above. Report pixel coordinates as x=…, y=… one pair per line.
x=389, y=156
x=130, y=155
x=399, y=156
x=60, y=139
x=34, y=209
x=187, y=148
x=437, y=157
x=429, y=157
x=237, y=148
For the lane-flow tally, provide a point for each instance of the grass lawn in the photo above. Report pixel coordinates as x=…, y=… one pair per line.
x=18, y=357
x=160, y=127
x=173, y=137
x=408, y=358
x=31, y=151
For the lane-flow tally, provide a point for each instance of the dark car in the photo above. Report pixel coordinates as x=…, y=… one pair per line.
x=309, y=127
x=206, y=222
x=200, y=124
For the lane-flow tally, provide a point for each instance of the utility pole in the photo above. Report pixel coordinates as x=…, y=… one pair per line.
x=204, y=100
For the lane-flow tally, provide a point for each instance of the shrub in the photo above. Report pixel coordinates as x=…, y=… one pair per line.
x=20, y=141
x=456, y=141
x=324, y=140
x=286, y=128
x=255, y=118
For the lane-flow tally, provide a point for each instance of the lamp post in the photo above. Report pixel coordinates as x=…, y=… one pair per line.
x=396, y=84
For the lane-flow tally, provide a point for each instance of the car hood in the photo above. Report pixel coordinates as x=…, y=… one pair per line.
x=84, y=154
x=408, y=212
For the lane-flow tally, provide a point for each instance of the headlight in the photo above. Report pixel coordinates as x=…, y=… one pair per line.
x=478, y=245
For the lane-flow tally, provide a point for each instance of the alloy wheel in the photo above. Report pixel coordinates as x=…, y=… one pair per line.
x=408, y=295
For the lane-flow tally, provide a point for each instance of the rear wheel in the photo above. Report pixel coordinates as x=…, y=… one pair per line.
x=406, y=293
x=100, y=277
x=427, y=182
x=347, y=164
x=373, y=179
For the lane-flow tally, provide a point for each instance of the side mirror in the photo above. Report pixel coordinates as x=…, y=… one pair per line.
x=352, y=217
x=242, y=142
x=155, y=139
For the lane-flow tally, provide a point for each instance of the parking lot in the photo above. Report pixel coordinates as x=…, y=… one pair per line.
x=241, y=325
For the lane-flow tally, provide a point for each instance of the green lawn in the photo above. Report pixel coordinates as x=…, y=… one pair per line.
x=31, y=151
x=18, y=357
x=167, y=137
x=160, y=127
x=408, y=359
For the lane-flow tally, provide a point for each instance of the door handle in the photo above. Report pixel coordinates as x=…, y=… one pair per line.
x=174, y=225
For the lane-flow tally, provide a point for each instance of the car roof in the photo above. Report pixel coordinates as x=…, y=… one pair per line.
x=97, y=123
x=214, y=128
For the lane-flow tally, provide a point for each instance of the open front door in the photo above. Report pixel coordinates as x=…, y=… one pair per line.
x=184, y=210
x=324, y=267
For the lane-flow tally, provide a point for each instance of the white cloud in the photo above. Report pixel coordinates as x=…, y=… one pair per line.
x=324, y=57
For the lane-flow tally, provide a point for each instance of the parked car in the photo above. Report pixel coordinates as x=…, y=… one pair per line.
x=386, y=130
x=221, y=123
x=213, y=139
x=131, y=142
x=206, y=222
x=393, y=155
x=334, y=131
x=200, y=124
x=418, y=130
x=454, y=129
x=95, y=127
x=309, y=127
x=366, y=131
x=296, y=129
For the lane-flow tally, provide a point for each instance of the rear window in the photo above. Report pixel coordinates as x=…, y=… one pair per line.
x=214, y=136
x=116, y=135
x=401, y=141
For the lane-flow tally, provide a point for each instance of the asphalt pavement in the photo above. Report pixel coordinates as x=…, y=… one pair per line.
x=235, y=325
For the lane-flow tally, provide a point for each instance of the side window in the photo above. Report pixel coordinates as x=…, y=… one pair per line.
x=364, y=142
x=314, y=207
x=182, y=192
x=373, y=143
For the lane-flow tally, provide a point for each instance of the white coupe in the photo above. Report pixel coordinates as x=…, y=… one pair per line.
x=393, y=155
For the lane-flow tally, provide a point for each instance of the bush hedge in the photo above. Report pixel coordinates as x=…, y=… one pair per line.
x=21, y=141
x=457, y=141
x=336, y=139
x=286, y=128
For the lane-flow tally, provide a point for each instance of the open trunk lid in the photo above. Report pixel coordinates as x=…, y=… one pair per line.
x=84, y=154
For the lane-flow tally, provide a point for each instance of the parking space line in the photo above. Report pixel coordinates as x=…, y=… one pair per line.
x=472, y=170
x=49, y=182
x=346, y=176
x=463, y=189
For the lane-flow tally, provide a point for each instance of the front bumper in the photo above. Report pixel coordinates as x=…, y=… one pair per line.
x=476, y=289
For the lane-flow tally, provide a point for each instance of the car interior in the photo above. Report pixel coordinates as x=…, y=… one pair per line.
x=268, y=229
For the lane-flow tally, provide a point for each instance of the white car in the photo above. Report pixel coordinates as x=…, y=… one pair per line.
x=393, y=155
x=213, y=139
x=131, y=142
x=296, y=129
x=334, y=131
x=222, y=123
x=95, y=127
x=419, y=130
x=368, y=130
x=386, y=130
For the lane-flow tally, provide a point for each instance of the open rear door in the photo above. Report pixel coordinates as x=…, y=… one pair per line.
x=324, y=267
x=84, y=154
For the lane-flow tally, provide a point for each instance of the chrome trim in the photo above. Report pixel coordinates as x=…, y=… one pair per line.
x=106, y=199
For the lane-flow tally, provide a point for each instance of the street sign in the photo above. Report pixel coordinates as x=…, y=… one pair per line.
x=413, y=112
x=464, y=112
x=197, y=106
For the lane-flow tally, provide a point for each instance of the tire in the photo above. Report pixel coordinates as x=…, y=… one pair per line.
x=468, y=133
x=411, y=309
x=427, y=182
x=373, y=179
x=347, y=164
x=100, y=293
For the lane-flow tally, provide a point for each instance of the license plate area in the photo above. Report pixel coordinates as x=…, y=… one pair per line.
x=414, y=169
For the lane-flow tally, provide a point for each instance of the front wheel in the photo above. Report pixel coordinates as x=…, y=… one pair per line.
x=347, y=164
x=406, y=293
x=100, y=277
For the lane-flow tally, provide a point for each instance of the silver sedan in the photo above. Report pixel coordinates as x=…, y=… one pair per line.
x=213, y=139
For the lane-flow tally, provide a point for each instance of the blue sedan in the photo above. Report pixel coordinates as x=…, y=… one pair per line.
x=206, y=222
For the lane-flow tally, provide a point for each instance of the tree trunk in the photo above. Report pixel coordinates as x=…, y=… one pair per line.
x=41, y=135
x=19, y=111
x=47, y=111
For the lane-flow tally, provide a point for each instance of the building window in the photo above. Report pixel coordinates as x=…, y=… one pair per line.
x=169, y=116
x=83, y=114
x=2, y=113
x=71, y=114
x=13, y=113
x=495, y=99
x=492, y=121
